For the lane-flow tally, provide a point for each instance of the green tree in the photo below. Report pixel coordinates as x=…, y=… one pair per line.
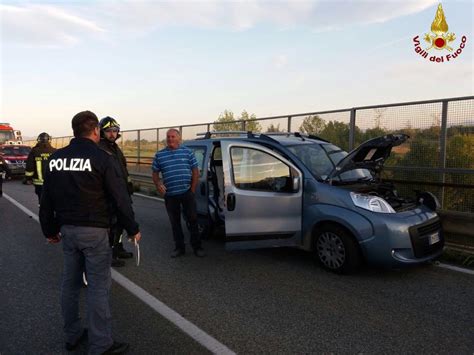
x=250, y=122
x=459, y=155
x=312, y=125
x=226, y=122
x=274, y=129
x=372, y=133
x=337, y=133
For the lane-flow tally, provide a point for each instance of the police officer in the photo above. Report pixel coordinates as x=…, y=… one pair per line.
x=80, y=184
x=36, y=162
x=109, y=133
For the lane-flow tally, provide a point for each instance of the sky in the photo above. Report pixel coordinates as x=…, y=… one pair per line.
x=159, y=63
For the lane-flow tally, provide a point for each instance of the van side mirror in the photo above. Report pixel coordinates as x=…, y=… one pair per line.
x=296, y=183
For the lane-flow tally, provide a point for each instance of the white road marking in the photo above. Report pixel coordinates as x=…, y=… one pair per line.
x=149, y=197
x=174, y=317
x=182, y=323
x=21, y=207
x=455, y=268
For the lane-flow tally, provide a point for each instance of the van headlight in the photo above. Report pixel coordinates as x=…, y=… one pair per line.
x=7, y=161
x=371, y=203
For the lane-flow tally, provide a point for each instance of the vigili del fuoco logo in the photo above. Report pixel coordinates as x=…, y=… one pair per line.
x=439, y=39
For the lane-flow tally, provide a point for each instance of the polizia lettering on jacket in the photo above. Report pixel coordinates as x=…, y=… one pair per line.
x=73, y=164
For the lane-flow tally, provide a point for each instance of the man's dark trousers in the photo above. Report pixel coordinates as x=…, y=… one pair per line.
x=87, y=249
x=173, y=207
x=38, y=192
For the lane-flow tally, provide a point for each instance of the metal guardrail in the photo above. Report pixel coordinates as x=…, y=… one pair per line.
x=466, y=249
x=439, y=154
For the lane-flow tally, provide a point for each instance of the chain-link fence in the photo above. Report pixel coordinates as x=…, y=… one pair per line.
x=439, y=156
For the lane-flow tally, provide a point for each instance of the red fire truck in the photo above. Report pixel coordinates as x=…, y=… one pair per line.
x=13, y=153
x=8, y=135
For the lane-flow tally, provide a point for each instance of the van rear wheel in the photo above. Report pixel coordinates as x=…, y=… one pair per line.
x=336, y=250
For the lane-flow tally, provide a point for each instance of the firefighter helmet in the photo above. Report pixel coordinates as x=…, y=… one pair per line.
x=43, y=138
x=108, y=122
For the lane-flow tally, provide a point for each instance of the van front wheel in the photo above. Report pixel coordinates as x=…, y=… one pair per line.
x=336, y=250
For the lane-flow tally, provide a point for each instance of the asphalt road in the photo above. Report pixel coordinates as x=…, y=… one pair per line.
x=263, y=301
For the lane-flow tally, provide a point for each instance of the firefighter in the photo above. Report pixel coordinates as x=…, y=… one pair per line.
x=109, y=133
x=36, y=163
x=81, y=183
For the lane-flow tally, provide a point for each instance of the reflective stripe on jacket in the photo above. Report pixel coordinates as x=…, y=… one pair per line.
x=37, y=161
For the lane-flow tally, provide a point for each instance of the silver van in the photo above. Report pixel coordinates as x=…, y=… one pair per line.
x=272, y=190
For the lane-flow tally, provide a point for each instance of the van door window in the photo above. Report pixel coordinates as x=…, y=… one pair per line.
x=253, y=169
x=199, y=153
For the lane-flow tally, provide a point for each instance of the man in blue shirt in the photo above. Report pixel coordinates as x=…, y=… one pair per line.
x=179, y=169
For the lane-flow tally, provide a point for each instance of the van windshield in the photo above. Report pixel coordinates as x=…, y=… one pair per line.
x=321, y=159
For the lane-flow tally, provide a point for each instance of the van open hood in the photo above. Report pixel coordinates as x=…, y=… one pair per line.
x=369, y=155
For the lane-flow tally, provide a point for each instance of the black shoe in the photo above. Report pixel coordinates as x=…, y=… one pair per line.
x=199, y=252
x=123, y=254
x=177, y=253
x=117, y=348
x=71, y=347
x=117, y=263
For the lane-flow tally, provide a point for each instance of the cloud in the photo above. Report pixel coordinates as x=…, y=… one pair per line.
x=339, y=14
x=43, y=25
x=69, y=23
x=242, y=15
x=280, y=61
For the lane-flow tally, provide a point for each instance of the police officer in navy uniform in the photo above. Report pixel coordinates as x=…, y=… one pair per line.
x=81, y=183
x=36, y=162
x=109, y=133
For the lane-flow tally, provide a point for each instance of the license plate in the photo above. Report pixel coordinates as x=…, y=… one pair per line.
x=433, y=238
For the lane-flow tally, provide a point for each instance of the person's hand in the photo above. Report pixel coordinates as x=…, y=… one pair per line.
x=136, y=237
x=161, y=189
x=54, y=239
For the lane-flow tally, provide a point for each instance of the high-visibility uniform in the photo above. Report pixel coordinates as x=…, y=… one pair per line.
x=36, y=163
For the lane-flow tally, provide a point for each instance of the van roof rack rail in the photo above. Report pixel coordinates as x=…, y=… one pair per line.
x=209, y=134
x=296, y=134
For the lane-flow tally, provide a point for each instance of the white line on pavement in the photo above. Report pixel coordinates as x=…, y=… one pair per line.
x=455, y=268
x=182, y=323
x=150, y=197
x=21, y=207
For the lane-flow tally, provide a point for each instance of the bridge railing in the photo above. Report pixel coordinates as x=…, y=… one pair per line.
x=439, y=156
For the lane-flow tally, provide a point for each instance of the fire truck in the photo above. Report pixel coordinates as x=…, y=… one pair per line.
x=8, y=135
x=13, y=153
